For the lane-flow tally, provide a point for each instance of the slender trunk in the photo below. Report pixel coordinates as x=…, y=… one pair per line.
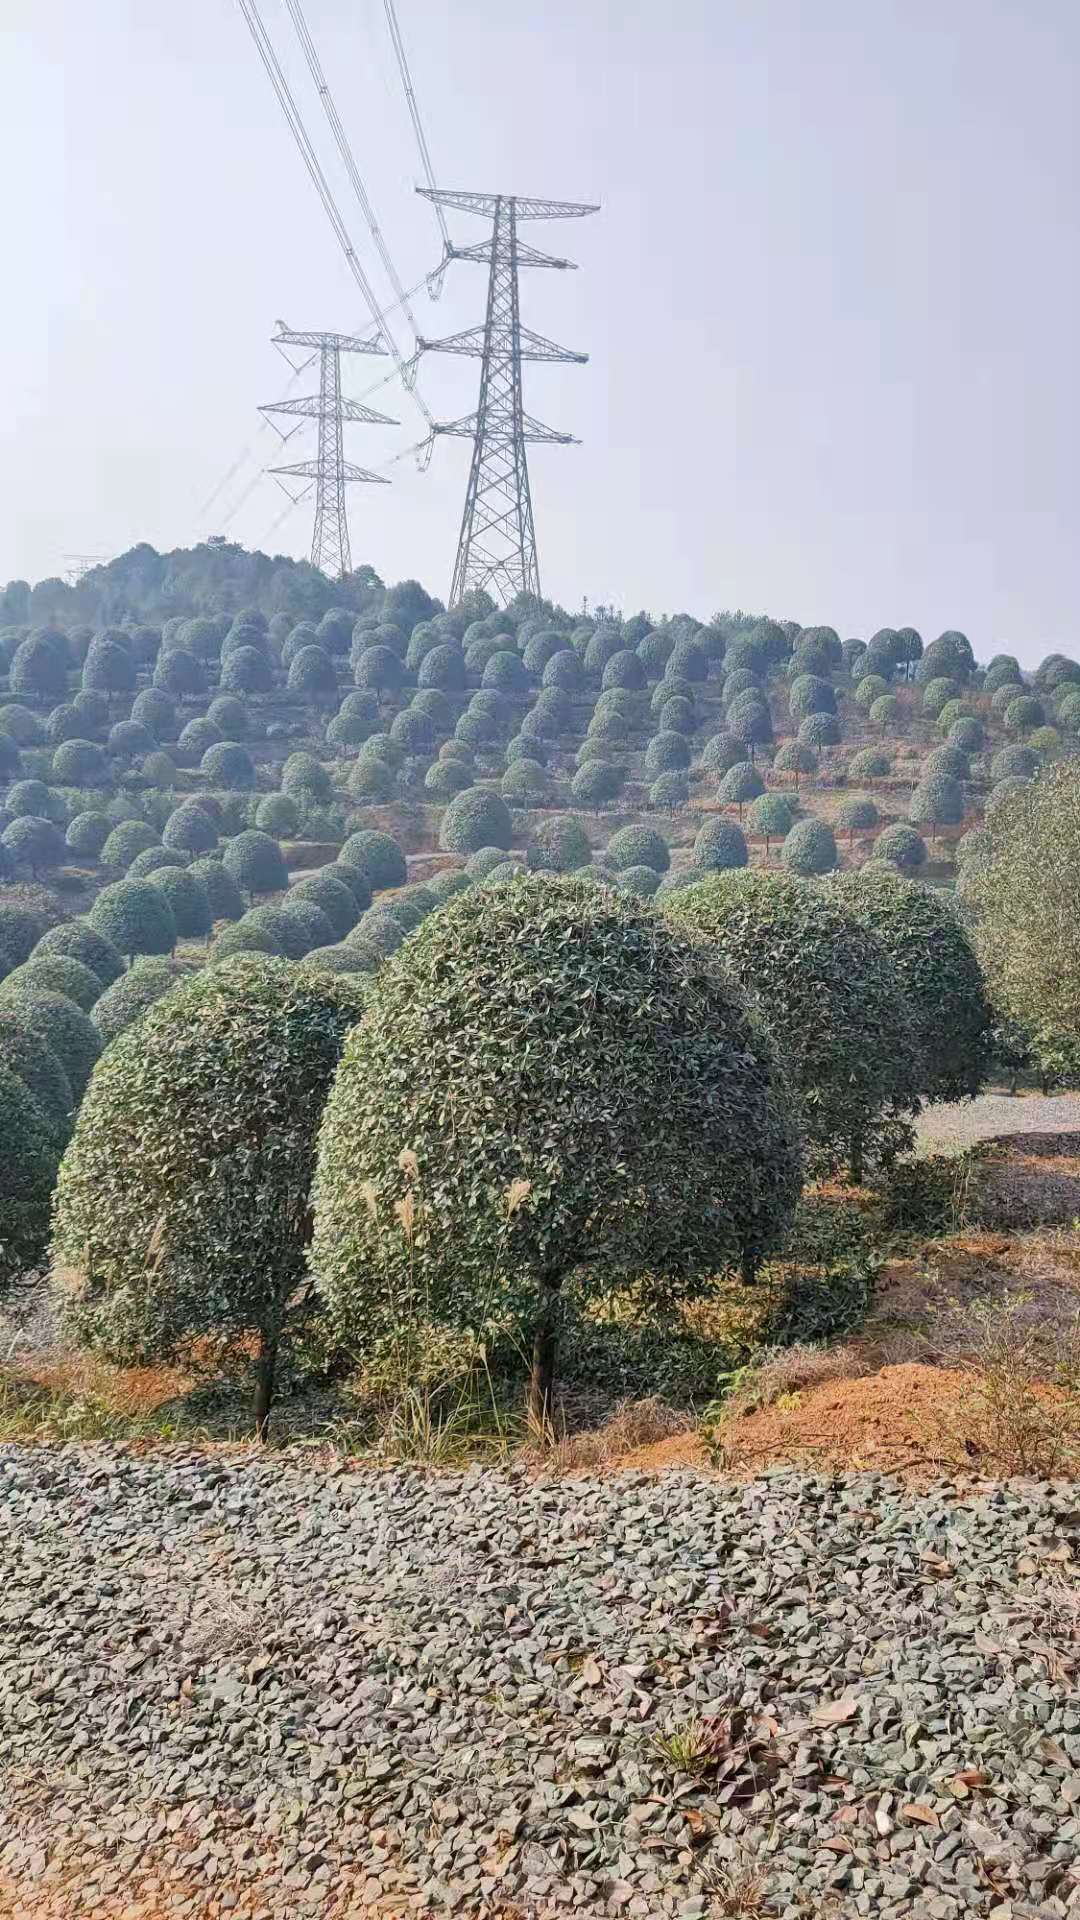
x=264, y=1385
x=856, y=1166
x=749, y=1268
x=544, y=1354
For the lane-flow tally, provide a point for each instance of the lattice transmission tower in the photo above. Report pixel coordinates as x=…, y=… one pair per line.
x=497, y=543
x=330, y=470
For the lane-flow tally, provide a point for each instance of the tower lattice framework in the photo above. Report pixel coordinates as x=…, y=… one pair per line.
x=497, y=542
x=331, y=472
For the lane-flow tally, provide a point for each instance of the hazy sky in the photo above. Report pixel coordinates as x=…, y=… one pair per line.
x=831, y=298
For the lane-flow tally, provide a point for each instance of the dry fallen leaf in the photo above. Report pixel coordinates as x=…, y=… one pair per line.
x=590, y=1672
x=835, y=1713
x=925, y=1816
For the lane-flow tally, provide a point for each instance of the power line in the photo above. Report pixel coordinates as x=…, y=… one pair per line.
x=294, y=119
x=414, y=114
x=296, y=15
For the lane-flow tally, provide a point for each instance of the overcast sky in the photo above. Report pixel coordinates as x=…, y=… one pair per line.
x=831, y=299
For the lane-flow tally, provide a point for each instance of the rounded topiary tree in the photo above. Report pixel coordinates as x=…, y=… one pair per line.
x=372, y=780
x=596, y=784
x=378, y=856
x=189, y=901
x=126, y=840
x=524, y=784
x=33, y=842
x=667, y=752
x=445, y=778
x=903, y=846
x=306, y=779
x=78, y=940
x=332, y=896
x=54, y=973
x=153, y=860
x=87, y=834
x=938, y=801
x=135, y=916
x=228, y=764
x=810, y=848
x=79, y=763
x=857, y=814
x=59, y=1024
x=518, y=1024
x=182, y=1203
x=771, y=817
x=558, y=844
x=796, y=757
x=27, y=1173
x=476, y=818
x=21, y=927
x=25, y=1055
x=938, y=971
x=828, y=990
x=127, y=999
x=637, y=846
x=255, y=862
x=719, y=844
x=740, y=783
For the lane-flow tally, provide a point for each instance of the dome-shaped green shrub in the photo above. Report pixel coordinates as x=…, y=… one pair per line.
x=278, y=814
x=59, y=1024
x=87, y=834
x=578, y=1091
x=720, y=843
x=77, y=940
x=135, y=916
x=642, y=882
x=448, y=883
x=870, y=763
x=810, y=848
x=558, y=844
x=827, y=988
x=445, y=778
x=857, y=813
x=126, y=840
x=371, y=780
x=27, y=1172
x=127, y=999
x=80, y=763
x=182, y=1204
x=225, y=897
x=938, y=972
x=378, y=855
x=637, y=846
x=188, y=900
x=667, y=752
x=228, y=764
x=476, y=818
x=256, y=863
x=443, y=667
x=820, y=730
x=524, y=784
x=152, y=861
x=771, y=817
x=333, y=896
x=54, y=973
x=190, y=828
x=596, y=784
x=623, y=670
x=33, y=842
x=27, y=1056
x=377, y=934
x=243, y=937
x=669, y=792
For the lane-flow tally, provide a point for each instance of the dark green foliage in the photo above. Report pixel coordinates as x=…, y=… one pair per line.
x=77, y=940
x=820, y=730
x=518, y=1023
x=354, y=878
x=826, y=988
x=27, y=1173
x=333, y=896
x=184, y=677
x=377, y=934
x=688, y=662
x=810, y=848
x=623, y=670
x=566, y=671
x=59, y=1024
x=38, y=671
x=903, y=846
x=379, y=669
x=188, y=899
x=228, y=764
x=524, y=784
x=126, y=840
x=506, y=673
x=938, y=801
x=54, y=973
x=857, y=814
x=197, y=737
x=442, y=667
x=226, y=900
x=306, y=779
x=10, y=758
x=667, y=752
x=190, y=829
x=312, y=674
x=372, y=780
x=377, y=855
x=596, y=784
x=305, y=926
x=1014, y=763
x=558, y=844
x=1023, y=713
x=939, y=974
x=476, y=818
x=483, y=860
x=31, y=796
x=21, y=725
x=412, y=731
x=636, y=846
x=183, y=1199
x=87, y=834
x=125, y=1002
x=808, y=694
x=642, y=882
x=243, y=670
x=719, y=844
x=740, y=783
x=870, y=763
x=79, y=763
x=677, y=715
x=770, y=816
x=278, y=814
x=410, y=906
x=32, y=1061
x=445, y=778
x=448, y=883
x=244, y=936
x=135, y=916
x=669, y=792
x=33, y=842
x=255, y=861
x=722, y=752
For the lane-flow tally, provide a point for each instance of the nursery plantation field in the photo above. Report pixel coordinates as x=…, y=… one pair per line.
x=539, y=1258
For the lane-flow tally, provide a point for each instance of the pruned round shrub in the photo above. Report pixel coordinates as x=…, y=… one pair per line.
x=127, y=999
x=938, y=972
x=256, y=863
x=279, y=815
x=377, y=934
x=241, y=936
x=442, y=667
x=719, y=844
x=1023, y=713
x=451, y=881
x=228, y=764
x=54, y=973
x=524, y=784
x=87, y=834
x=638, y=846
x=564, y=670
x=371, y=780
x=379, y=669
x=27, y=1172
x=720, y=753
x=378, y=855
x=135, y=916
x=32, y=1061
x=740, y=783
x=596, y=784
x=558, y=844
x=305, y=777
x=642, y=882
x=32, y=796
x=771, y=817
x=937, y=801
x=182, y=1203
x=667, y=752
x=518, y=1023
x=808, y=694
x=820, y=730
x=506, y=673
x=80, y=763
x=126, y=840
x=903, y=846
x=482, y=861
x=34, y=842
x=827, y=988
x=188, y=900
x=1014, y=762
x=445, y=778
x=225, y=897
x=190, y=829
x=669, y=792
x=870, y=763
x=332, y=896
x=623, y=670
x=410, y=906
x=58, y=1023
x=153, y=709
x=245, y=670
x=197, y=738
x=476, y=818
x=78, y=940
x=857, y=814
x=810, y=848
x=128, y=740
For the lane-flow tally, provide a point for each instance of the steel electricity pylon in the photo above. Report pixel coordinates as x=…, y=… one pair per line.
x=330, y=470
x=497, y=543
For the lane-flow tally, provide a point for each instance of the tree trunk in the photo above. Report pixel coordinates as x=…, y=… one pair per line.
x=545, y=1351
x=856, y=1165
x=264, y=1385
x=749, y=1268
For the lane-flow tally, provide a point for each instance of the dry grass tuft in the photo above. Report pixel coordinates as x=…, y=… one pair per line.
x=1019, y=1412
x=633, y=1424
x=785, y=1371
x=737, y=1892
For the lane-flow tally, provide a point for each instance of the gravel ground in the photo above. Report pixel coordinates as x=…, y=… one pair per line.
x=948, y=1128
x=242, y=1685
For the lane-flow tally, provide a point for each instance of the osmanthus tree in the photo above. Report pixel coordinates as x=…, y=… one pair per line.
x=182, y=1210
x=826, y=988
x=27, y=1172
x=938, y=972
x=519, y=1026
x=1025, y=894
